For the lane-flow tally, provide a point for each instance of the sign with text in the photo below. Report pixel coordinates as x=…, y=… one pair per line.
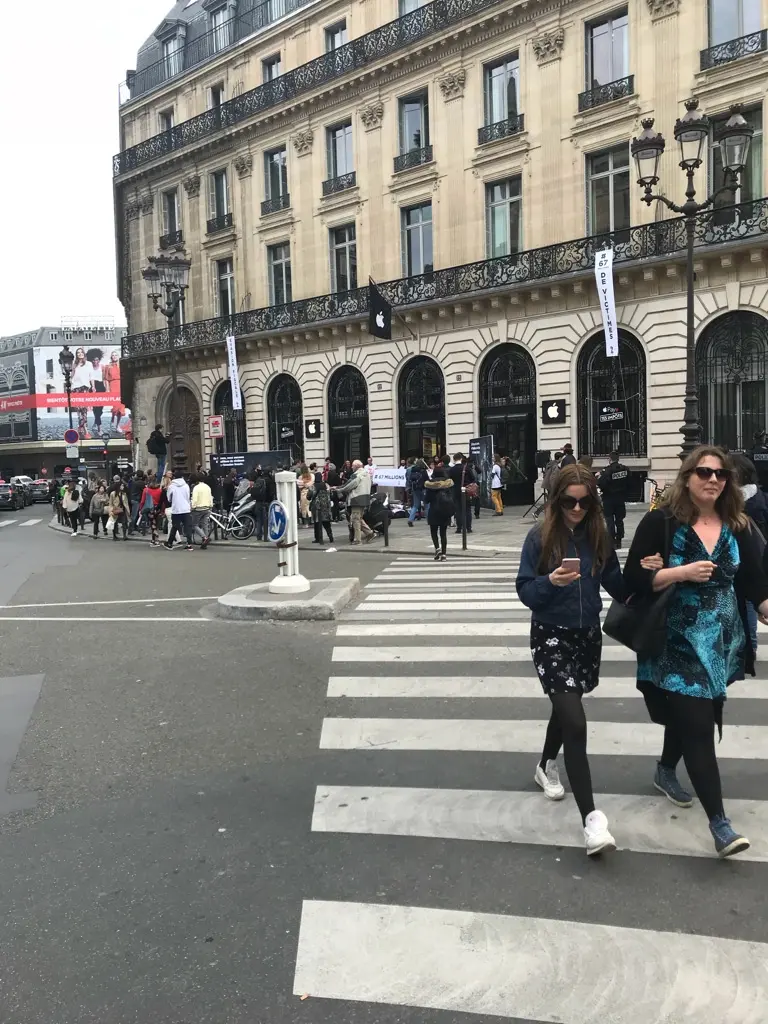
x=312, y=429
x=234, y=379
x=553, y=411
x=611, y=416
x=604, y=281
x=246, y=462
x=389, y=477
x=481, y=457
x=216, y=426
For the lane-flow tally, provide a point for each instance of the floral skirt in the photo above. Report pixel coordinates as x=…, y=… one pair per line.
x=567, y=660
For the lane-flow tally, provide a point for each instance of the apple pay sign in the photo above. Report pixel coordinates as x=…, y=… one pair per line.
x=311, y=428
x=553, y=411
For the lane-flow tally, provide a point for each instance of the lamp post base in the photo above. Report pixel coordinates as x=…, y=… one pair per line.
x=297, y=584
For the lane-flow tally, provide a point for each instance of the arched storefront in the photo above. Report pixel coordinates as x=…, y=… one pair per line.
x=284, y=412
x=732, y=379
x=612, y=401
x=348, y=416
x=234, y=439
x=508, y=413
x=421, y=408
x=184, y=419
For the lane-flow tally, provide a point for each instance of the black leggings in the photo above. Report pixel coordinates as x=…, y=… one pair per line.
x=568, y=729
x=319, y=527
x=691, y=734
x=443, y=542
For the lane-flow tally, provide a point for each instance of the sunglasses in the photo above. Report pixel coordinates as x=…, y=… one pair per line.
x=707, y=472
x=571, y=503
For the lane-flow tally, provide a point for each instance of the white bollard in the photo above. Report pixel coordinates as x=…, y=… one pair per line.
x=288, y=580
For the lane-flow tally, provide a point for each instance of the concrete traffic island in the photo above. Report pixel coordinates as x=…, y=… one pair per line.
x=324, y=600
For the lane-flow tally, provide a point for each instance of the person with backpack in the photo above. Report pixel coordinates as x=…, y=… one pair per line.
x=151, y=504
x=418, y=480
x=497, y=486
x=441, y=509
x=320, y=509
x=157, y=445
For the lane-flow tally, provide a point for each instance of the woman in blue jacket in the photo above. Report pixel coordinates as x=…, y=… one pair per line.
x=566, y=640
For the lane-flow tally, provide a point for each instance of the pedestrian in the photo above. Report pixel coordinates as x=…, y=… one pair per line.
x=165, y=483
x=86, y=493
x=758, y=456
x=568, y=459
x=228, y=489
x=462, y=476
x=178, y=497
x=333, y=480
x=441, y=510
x=304, y=481
x=346, y=471
x=613, y=482
x=152, y=504
x=756, y=507
x=119, y=510
x=157, y=445
x=70, y=504
x=586, y=460
x=320, y=509
x=135, y=491
x=713, y=558
x=201, y=505
x=418, y=478
x=358, y=491
x=497, y=486
x=259, y=493
x=98, y=510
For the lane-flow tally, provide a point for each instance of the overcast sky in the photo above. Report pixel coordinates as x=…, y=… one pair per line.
x=60, y=66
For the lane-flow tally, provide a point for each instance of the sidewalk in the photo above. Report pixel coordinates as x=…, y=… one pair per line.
x=491, y=535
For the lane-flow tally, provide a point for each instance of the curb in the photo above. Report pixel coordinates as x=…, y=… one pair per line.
x=255, y=603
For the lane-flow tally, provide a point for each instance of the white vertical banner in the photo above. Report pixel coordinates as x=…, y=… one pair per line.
x=604, y=280
x=234, y=379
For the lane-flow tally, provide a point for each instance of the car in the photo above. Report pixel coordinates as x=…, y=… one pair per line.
x=40, y=490
x=11, y=497
x=23, y=484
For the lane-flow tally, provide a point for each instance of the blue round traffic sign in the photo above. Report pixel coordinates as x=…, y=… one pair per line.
x=277, y=526
x=71, y=436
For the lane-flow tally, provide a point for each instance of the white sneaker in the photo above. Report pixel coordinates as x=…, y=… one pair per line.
x=74, y=533
x=549, y=780
x=596, y=834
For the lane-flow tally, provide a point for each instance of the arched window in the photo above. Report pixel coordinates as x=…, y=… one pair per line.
x=421, y=408
x=508, y=414
x=612, y=398
x=731, y=372
x=348, y=415
x=284, y=411
x=234, y=439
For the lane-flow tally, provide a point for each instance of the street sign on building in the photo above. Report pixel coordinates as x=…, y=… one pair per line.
x=216, y=426
x=311, y=429
x=71, y=436
x=72, y=451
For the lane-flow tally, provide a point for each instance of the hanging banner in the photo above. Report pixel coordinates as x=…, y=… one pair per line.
x=234, y=379
x=604, y=280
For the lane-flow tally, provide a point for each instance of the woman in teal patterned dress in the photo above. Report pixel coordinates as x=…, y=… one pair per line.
x=713, y=557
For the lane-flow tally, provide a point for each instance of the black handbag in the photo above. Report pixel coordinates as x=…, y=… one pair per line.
x=640, y=623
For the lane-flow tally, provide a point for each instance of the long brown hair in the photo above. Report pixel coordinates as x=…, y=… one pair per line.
x=729, y=506
x=555, y=532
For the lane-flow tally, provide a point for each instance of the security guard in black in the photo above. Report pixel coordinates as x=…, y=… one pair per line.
x=758, y=454
x=614, y=482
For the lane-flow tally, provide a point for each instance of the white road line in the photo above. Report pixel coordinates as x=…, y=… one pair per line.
x=641, y=824
x=489, y=585
x=508, y=628
x=101, y=618
x=451, y=653
x=467, y=574
x=30, y=522
x=526, y=967
x=8, y=522
x=408, y=596
x=459, y=606
x=147, y=601
x=744, y=742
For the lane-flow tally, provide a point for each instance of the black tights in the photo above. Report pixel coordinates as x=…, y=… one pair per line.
x=319, y=527
x=443, y=542
x=568, y=729
x=691, y=734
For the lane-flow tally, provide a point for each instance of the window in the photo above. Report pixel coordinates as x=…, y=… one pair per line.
x=53, y=335
x=608, y=190
x=417, y=240
x=608, y=50
x=502, y=80
x=108, y=335
x=173, y=54
x=271, y=68
x=217, y=95
x=502, y=217
x=414, y=122
x=218, y=194
x=751, y=178
x=335, y=36
x=732, y=19
x=87, y=335
x=49, y=369
x=408, y=6
x=279, y=263
x=339, y=149
x=343, y=258
x=220, y=27
x=275, y=173
x=170, y=212
x=225, y=288
x=166, y=120
x=68, y=336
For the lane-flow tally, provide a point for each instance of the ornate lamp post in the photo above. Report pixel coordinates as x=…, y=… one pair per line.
x=66, y=359
x=692, y=132
x=167, y=279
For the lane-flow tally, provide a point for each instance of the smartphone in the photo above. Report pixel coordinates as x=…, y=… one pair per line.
x=571, y=565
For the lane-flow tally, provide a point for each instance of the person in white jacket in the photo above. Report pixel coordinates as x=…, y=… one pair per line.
x=181, y=510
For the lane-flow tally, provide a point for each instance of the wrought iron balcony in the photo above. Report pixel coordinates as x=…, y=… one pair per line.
x=220, y=222
x=378, y=45
x=501, y=129
x=413, y=158
x=606, y=93
x=724, y=53
x=275, y=204
x=339, y=184
x=647, y=241
x=173, y=238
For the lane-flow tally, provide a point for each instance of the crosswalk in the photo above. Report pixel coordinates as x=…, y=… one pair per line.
x=16, y=522
x=435, y=710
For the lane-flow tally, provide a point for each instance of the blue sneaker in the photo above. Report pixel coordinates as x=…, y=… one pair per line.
x=665, y=780
x=727, y=842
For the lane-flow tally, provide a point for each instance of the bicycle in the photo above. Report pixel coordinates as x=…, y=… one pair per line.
x=657, y=498
x=240, y=526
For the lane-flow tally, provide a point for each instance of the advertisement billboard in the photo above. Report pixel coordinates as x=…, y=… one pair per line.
x=481, y=457
x=17, y=417
x=97, y=409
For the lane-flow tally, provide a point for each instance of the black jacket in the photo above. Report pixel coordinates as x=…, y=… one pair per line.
x=439, y=494
x=455, y=473
x=157, y=443
x=613, y=482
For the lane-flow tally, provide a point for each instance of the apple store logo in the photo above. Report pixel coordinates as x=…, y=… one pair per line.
x=553, y=411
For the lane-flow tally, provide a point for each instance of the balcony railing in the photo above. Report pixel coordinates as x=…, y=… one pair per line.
x=606, y=93
x=340, y=183
x=173, y=238
x=378, y=45
x=647, y=241
x=202, y=48
x=220, y=222
x=501, y=129
x=724, y=53
x=275, y=204
x=413, y=158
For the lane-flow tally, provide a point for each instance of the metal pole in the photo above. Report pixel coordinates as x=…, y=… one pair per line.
x=288, y=580
x=463, y=518
x=691, y=428
x=68, y=389
x=386, y=527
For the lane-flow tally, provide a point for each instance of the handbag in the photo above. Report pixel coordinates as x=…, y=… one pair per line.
x=471, y=489
x=641, y=623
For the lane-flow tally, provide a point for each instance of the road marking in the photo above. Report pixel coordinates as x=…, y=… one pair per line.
x=459, y=606
x=101, y=618
x=490, y=585
x=641, y=739
x=641, y=824
x=8, y=522
x=526, y=967
x=100, y=604
x=30, y=522
x=443, y=653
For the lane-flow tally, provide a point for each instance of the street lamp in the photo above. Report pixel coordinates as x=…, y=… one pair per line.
x=167, y=279
x=692, y=132
x=66, y=359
